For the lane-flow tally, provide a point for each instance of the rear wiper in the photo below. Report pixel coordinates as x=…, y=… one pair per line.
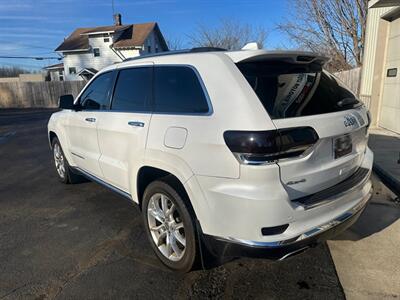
x=348, y=101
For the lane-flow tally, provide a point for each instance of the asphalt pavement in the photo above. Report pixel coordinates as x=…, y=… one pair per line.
x=85, y=242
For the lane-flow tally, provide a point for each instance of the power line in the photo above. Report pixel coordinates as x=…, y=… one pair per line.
x=31, y=57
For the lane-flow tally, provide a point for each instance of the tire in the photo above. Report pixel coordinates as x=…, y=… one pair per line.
x=64, y=172
x=174, y=224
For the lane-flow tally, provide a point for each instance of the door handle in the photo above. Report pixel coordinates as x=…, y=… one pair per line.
x=136, y=123
x=90, y=120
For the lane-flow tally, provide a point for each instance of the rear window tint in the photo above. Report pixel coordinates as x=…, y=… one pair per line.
x=292, y=90
x=177, y=89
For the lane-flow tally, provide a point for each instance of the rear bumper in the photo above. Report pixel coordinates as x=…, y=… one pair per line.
x=278, y=250
x=239, y=210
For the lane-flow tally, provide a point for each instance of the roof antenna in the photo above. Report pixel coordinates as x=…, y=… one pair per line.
x=113, y=11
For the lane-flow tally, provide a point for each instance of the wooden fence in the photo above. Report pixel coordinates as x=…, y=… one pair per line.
x=351, y=78
x=36, y=94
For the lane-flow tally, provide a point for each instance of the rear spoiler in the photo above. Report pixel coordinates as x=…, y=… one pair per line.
x=296, y=57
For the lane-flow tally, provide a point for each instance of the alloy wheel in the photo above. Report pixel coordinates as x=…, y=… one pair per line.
x=166, y=227
x=59, y=160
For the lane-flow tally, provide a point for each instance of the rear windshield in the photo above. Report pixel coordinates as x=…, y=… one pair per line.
x=289, y=90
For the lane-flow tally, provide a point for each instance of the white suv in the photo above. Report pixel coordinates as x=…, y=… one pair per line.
x=244, y=153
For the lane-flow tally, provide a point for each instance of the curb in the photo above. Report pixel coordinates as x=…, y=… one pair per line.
x=387, y=179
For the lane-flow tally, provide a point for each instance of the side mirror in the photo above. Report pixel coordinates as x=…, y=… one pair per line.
x=66, y=102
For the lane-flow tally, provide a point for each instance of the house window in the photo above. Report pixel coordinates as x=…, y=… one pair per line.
x=149, y=49
x=61, y=75
x=96, y=52
x=106, y=40
x=391, y=72
x=156, y=49
x=72, y=70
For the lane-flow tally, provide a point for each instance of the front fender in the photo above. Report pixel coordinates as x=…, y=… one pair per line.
x=57, y=125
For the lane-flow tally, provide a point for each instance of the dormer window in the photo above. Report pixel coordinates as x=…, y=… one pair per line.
x=96, y=52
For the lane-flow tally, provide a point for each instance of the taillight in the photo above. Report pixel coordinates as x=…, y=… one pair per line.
x=262, y=147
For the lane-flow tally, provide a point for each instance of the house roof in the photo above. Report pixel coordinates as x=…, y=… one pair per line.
x=87, y=70
x=55, y=67
x=383, y=3
x=102, y=29
x=133, y=35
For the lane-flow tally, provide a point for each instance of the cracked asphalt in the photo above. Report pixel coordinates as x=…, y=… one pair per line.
x=85, y=242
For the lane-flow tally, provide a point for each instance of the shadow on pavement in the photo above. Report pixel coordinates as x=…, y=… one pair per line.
x=386, y=148
x=380, y=213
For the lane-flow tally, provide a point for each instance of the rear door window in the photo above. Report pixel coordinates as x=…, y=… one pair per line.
x=133, y=90
x=177, y=89
x=291, y=90
x=97, y=95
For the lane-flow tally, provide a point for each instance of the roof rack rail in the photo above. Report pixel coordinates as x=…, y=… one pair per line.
x=185, y=51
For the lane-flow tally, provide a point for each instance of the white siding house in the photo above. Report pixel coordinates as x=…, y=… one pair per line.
x=56, y=72
x=88, y=50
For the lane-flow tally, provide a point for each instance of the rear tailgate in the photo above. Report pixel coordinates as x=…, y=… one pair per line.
x=335, y=157
x=296, y=92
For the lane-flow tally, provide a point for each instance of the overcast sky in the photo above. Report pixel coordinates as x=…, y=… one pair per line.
x=37, y=27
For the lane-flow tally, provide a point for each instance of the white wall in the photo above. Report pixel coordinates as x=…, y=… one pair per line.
x=88, y=60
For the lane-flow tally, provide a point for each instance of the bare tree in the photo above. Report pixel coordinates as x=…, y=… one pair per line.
x=229, y=34
x=174, y=43
x=13, y=71
x=333, y=27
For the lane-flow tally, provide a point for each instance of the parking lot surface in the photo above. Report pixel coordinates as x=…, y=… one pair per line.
x=83, y=241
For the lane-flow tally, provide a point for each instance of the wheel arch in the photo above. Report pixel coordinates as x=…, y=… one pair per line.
x=51, y=137
x=58, y=133
x=148, y=174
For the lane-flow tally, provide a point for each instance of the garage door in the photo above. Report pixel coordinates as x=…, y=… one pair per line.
x=390, y=109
